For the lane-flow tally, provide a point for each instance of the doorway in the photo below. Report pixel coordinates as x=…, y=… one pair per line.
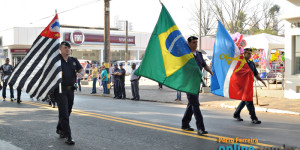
x=17, y=59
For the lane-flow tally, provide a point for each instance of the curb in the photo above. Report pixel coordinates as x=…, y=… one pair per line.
x=223, y=105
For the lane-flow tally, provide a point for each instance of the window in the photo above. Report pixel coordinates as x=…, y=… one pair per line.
x=296, y=55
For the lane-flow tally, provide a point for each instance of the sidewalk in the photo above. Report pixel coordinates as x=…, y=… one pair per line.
x=149, y=92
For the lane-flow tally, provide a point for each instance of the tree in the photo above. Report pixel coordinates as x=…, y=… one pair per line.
x=274, y=11
x=233, y=14
x=208, y=20
x=269, y=22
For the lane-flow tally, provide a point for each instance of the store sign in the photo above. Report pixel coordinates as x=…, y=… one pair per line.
x=19, y=51
x=77, y=37
x=97, y=38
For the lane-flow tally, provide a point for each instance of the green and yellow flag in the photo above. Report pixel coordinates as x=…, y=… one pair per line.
x=168, y=58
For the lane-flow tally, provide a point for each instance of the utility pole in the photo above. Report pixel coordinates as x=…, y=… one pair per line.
x=126, y=46
x=199, y=44
x=107, y=40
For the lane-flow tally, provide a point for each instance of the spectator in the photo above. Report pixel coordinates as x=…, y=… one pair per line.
x=99, y=77
x=122, y=74
x=7, y=69
x=104, y=80
x=87, y=69
x=160, y=86
x=111, y=70
x=117, y=85
x=94, y=75
x=178, y=96
x=79, y=78
x=134, y=79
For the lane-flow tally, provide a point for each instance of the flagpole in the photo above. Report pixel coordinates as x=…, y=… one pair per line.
x=59, y=86
x=257, y=95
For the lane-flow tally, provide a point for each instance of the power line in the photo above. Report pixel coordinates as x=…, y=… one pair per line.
x=79, y=6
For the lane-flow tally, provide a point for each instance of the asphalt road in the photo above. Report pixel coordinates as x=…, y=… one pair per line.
x=105, y=123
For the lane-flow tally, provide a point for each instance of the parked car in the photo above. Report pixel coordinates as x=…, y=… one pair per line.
x=272, y=77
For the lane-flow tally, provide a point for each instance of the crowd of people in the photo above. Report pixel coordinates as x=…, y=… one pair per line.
x=117, y=78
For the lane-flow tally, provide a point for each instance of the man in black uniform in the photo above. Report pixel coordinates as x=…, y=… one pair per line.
x=7, y=69
x=122, y=81
x=193, y=104
x=70, y=66
x=117, y=78
x=249, y=104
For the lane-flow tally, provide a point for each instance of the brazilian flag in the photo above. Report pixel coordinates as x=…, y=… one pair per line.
x=168, y=58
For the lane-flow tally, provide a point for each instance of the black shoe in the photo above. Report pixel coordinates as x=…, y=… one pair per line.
x=58, y=131
x=137, y=99
x=61, y=135
x=118, y=97
x=132, y=98
x=124, y=98
x=69, y=141
x=200, y=132
x=238, y=118
x=19, y=101
x=256, y=121
x=187, y=129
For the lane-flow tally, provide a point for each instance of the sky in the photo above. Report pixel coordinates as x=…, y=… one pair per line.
x=143, y=14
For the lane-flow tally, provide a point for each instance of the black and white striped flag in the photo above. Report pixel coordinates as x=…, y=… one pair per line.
x=40, y=70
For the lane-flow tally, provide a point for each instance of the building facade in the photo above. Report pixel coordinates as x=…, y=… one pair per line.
x=292, y=46
x=87, y=43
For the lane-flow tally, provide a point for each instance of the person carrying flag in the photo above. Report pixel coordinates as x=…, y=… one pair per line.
x=193, y=104
x=249, y=104
x=70, y=66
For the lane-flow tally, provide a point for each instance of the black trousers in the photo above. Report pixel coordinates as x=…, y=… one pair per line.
x=160, y=85
x=52, y=99
x=250, y=108
x=19, y=91
x=193, y=107
x=4, y=90
x=122, y=88
x=117, y=89
x=64, y=102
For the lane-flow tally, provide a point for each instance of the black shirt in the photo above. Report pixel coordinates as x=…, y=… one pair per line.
x=200, y=61
x=69, y=69
x=116, y=77
x=252, y=67
x=123, y=71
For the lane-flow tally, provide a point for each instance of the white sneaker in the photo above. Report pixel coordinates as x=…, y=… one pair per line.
x=3, y=99
x=12, y=99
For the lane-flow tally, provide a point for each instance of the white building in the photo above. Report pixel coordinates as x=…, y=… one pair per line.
x=87, y=43
x=292, y=49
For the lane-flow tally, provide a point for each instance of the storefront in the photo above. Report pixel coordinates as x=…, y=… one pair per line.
x=87, y=43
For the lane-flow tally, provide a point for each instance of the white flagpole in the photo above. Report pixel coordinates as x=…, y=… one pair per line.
x=60, y=86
